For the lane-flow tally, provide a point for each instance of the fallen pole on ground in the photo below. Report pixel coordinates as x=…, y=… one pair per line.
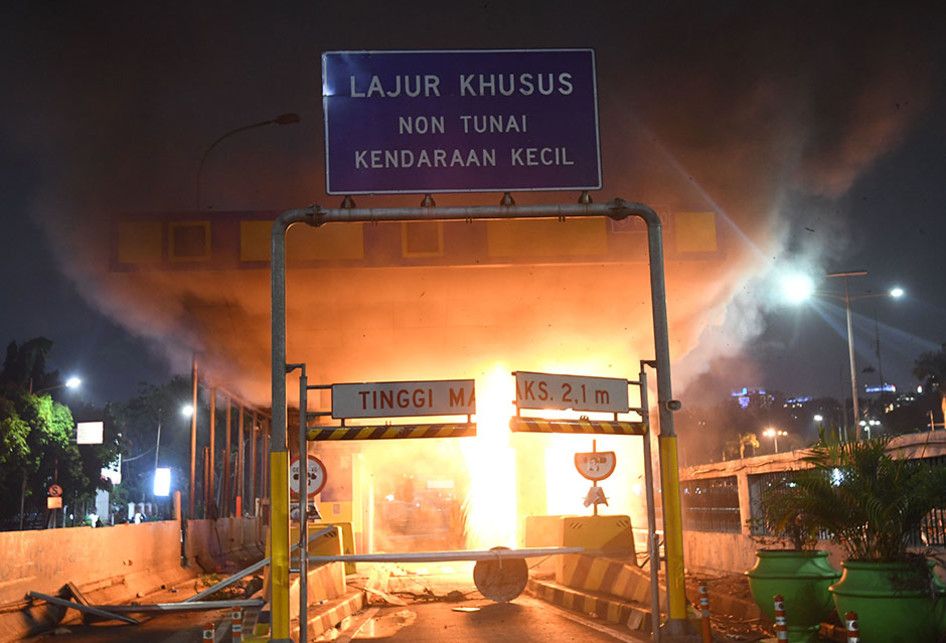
x=445, y=556
x=230, y=580
x=88, y=609
x=195, y=606
x=226, y=582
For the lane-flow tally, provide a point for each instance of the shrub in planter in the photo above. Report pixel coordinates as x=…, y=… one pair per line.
x=796, y=570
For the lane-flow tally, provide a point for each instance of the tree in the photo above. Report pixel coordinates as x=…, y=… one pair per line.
x=25, y=365
x=36, y=447
x=139, y=418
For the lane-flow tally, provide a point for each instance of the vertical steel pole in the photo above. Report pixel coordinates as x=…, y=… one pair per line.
x=653, y=550
x=669, y=470
x=206, y=479
x=279, y=455
x=254, y=437
x=303, y=507
x=240, y=465
x=210, y=509
x=225, y=495
x=855, y=407
x=264, y=474
x=192, y=487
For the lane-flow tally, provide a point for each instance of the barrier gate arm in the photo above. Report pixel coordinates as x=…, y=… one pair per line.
x=315, y=215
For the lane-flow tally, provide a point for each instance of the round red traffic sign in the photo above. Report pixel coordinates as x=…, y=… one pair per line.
x=55, y=490
x=315, y=476
x=597, y=465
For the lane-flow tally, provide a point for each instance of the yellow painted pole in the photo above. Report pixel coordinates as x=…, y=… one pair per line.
x=279, y=539
x=673, y=527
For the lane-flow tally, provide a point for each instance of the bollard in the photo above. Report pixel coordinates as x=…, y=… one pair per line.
x=781, y=625
x=236, y=627
x=706, y=629
x=208, y=632
x=853, y=631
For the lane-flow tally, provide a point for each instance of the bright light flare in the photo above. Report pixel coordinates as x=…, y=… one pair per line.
x=162, y=482
x=491, y=517
x=897, y=292
x=73, y=382
x=797, y=287
x=187, y=410
x=819, y=418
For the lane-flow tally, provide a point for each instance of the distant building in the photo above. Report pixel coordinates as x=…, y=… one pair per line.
x=754, y=397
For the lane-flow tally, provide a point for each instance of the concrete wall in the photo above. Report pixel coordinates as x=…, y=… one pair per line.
x=209, y=542
x=720, y=552
x=131, y=558
x=45, y=560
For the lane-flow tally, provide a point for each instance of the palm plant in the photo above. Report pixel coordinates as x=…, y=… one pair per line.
x=871, y=503
x=785, y=520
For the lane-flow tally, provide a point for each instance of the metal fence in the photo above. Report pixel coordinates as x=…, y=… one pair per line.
x=711, y=504
x=933, y=527
x=758, y=484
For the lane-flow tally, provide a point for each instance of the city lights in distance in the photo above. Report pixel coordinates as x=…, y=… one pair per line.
x=797, y=287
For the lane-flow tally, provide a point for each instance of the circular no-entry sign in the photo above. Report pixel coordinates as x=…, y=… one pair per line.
x=315, y=476
x=55, y=490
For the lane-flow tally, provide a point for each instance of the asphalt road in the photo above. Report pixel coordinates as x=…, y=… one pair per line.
x=525, y=620
x=475, y=620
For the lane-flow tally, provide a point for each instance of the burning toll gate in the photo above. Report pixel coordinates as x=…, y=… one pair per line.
x=279, y=519
x=368, y=307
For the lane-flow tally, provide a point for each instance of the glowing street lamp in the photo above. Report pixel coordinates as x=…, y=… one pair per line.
x=282, y=119
x=818, y=418
x=160, y=481
x=774, y=434
x=798, y=288
x=71, y=383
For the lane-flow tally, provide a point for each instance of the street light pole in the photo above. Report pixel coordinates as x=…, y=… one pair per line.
x=282, y=119
x=855, y=405
x=774, y=433
x=157, y=444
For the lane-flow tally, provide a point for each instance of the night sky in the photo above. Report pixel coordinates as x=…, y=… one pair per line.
x=819, y=134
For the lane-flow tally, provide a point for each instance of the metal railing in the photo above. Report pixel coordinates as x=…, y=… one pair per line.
x=711, y=504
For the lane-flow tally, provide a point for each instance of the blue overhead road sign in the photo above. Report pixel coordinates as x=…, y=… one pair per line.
x=460, y=121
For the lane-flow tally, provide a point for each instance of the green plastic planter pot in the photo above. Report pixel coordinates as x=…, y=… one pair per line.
x=802, y=578
x=894, y=602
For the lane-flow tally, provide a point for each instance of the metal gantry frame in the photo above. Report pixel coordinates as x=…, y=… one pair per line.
x=316, y=216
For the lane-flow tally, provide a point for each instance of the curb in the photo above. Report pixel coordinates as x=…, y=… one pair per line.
x=619, y=578
x=608, y=609
x=321, y=617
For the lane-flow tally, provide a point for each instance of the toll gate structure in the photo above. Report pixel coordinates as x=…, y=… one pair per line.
x=316, y=216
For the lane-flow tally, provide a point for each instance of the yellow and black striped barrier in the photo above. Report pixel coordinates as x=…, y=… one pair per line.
x=392, y=432
x=608, y=427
